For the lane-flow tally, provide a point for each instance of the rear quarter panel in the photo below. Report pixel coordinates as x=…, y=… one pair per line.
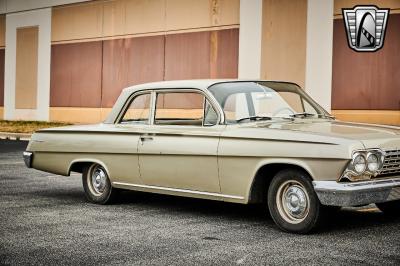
x=56, y=151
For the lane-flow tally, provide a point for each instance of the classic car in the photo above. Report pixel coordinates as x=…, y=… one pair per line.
x=238, y=141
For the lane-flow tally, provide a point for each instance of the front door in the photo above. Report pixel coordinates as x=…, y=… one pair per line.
x=180, y=149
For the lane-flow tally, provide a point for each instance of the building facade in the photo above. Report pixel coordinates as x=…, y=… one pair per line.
x=68, y=60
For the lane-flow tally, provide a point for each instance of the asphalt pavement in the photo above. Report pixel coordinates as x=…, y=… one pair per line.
x=45, y=219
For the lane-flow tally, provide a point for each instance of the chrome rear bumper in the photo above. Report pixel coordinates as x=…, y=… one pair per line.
x=28, y=156
x=358, y=193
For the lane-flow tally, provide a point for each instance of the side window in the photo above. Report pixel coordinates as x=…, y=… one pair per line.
x=179, y=108
x=210, y=116
x=138, y=110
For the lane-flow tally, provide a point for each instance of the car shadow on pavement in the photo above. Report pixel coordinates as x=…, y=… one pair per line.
x=346, y=219
x=254, y=212
x=353, y=219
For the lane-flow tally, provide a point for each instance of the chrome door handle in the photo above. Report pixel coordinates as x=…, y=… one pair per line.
x=144, y=138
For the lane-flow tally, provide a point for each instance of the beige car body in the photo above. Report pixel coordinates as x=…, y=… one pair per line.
x=222, y=162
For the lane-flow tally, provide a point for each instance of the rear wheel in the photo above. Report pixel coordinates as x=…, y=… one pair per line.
x=391, y=208
x=292, y=202
x=97, y=185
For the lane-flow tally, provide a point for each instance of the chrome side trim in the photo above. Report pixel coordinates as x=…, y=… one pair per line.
x=179, y=190
x=357, y=193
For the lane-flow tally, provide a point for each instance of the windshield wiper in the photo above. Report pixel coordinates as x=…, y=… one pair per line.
x=259, y=118
x=305, y=114
x=254, y=118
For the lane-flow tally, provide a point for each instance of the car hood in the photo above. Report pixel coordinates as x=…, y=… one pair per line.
x=369, y=135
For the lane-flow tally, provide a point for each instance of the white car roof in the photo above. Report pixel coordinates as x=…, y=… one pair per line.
x=201, y=84
x=176, y=84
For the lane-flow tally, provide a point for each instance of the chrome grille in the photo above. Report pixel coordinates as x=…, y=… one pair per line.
x=391, y=165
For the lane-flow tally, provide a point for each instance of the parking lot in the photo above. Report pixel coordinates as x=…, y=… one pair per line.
x=45, y=219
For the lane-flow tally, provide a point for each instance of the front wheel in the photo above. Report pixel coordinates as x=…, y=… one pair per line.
x=97, y=185
x=292, y=202
x=391, y=208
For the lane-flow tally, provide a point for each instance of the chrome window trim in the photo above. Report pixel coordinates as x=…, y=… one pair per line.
x=204, y=112
x=183, y=90
x=153, y=107
x=217, y=107
x=214, y=103
x=129, y=101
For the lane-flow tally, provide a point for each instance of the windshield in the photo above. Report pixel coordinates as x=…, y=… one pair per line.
x=246, y=101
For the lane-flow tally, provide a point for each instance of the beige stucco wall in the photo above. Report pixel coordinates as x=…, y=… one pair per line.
x=339, y=4
x=12, y=6
x=108, y=18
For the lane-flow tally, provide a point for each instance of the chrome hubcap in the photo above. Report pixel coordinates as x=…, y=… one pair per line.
x=293, y=202
x=98, y=179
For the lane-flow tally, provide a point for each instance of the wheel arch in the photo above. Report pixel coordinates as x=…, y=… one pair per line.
x=78, y=165
x=264, y=174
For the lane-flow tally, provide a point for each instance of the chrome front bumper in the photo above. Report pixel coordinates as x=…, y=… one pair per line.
x=359, y=193
x=28, y=156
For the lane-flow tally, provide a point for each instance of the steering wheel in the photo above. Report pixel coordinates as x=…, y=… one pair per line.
x=280, y=110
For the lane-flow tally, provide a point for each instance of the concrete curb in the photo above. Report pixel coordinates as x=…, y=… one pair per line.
x=15, y=136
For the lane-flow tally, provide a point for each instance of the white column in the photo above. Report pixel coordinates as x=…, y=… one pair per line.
x=319, y=51
x=250, y=39
x=42, y=19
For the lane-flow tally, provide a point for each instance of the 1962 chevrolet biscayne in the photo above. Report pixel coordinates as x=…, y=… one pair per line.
x=229, y=140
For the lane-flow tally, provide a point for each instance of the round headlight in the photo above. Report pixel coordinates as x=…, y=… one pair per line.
x=359, y=163
x=373, y=162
